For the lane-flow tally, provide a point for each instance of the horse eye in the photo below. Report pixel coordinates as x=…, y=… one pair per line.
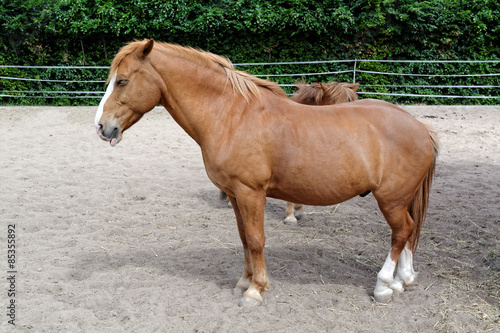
x=121, y=82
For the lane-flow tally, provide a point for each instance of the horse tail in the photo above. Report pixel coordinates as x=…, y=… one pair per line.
x=418, y=206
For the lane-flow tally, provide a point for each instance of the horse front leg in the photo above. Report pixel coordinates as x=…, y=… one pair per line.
x=244, y=282
x=299, y=213
x=249, y=211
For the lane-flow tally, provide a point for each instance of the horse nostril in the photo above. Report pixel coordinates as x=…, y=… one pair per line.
x=115, y=133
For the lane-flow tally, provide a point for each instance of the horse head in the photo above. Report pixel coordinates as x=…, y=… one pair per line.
x=134, y=88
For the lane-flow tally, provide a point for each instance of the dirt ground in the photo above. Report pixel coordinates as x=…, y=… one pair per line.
x=135, y=239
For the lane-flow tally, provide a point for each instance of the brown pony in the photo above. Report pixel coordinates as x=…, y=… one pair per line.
x=256, y=142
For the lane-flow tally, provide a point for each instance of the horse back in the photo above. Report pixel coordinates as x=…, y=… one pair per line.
x=344, y=150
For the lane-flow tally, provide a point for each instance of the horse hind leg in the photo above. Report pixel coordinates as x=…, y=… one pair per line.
x=406, y=275
x=290, y=216
x=299, y=212
x=402, y=228
x=293, y=214
x=223, y=196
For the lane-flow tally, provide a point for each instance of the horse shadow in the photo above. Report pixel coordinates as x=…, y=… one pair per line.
x=291, y=264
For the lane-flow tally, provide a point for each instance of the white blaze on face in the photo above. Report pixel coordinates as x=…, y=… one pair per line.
x=100, y=109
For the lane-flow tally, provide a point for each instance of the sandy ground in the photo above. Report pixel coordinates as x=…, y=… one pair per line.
x=135, y=239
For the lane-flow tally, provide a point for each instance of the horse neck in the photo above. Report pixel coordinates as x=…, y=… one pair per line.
x=194, y=96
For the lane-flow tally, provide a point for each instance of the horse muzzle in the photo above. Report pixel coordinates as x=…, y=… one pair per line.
x=111, y=134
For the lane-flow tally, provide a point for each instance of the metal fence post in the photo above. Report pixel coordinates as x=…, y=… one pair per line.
x=354, y=71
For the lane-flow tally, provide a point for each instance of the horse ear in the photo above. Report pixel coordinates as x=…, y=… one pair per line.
x=355, y=87
x=325, y=88
x=148, y=48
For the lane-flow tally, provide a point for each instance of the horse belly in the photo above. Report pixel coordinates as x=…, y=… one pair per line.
x=324, y=181
x=314, y=197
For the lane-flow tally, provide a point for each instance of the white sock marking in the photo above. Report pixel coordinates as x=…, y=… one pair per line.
x=385, y=277
x=386, y=274
x=405, y=266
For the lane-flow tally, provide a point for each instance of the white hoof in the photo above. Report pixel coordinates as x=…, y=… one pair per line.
x=409, y=280
x=397, y=285
x=251, y=297
x=291, y=220
x=383, y=295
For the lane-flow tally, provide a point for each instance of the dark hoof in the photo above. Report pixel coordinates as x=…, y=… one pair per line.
x=238, y=292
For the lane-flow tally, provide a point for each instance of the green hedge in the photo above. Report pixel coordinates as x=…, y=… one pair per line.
x=79, y=32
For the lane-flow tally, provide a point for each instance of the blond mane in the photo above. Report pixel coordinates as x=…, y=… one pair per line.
x=338, y=92
x=341, y=92
x=243, y=83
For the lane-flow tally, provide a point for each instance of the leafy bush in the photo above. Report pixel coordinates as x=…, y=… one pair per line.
x=89, y=32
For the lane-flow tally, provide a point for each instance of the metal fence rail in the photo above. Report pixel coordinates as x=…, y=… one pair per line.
x=353, y=70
